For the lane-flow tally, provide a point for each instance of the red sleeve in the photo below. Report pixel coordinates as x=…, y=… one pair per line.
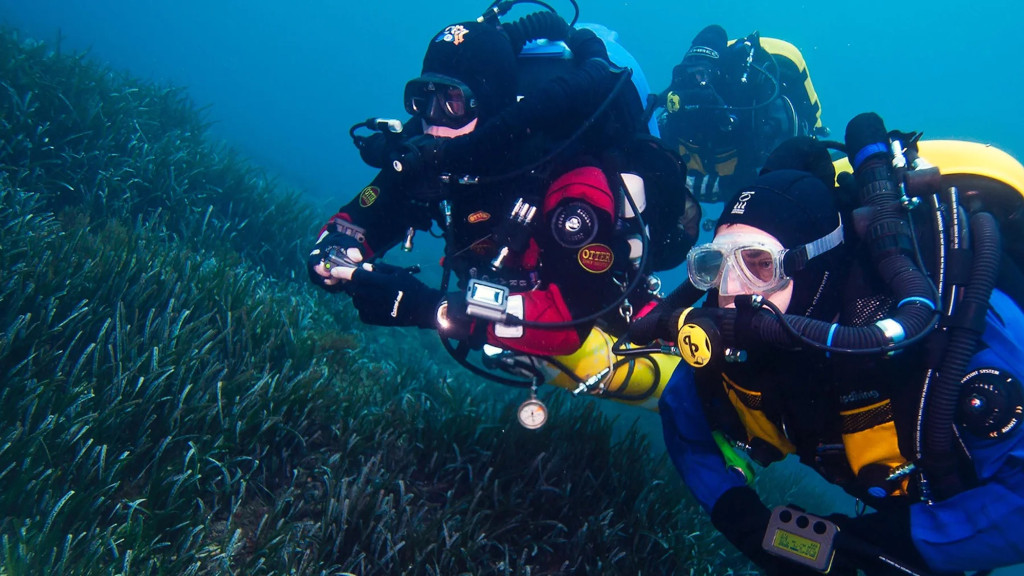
x=538, y=306
x=578, y=277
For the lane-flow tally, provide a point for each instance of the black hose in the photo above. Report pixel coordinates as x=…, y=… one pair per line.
x=459, y=355
x=891, y=246
x=939, y=223
x=784, y=330
x=968, y=325
x=644, y=395
x=536, y=26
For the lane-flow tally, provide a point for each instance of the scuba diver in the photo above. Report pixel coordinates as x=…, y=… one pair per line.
x=875, y=331
x=527, y=148
x=729, y=104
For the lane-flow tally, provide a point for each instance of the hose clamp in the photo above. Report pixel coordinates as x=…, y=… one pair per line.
x=626, y=310
x=892, y=330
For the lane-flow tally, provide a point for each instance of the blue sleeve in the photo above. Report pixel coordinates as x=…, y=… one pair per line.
x=689, y=442
x=980, y=528
x=977, y=529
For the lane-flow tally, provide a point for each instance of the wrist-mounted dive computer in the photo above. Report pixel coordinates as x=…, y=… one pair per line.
x=486, y=300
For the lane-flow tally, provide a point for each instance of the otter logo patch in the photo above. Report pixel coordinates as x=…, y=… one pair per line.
x=477, y=217
x=368, y=196
x=595, y=258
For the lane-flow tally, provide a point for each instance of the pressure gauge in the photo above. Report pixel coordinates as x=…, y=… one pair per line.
x=532, y=414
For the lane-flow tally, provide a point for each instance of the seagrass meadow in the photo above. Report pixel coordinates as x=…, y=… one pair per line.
x=177, y=399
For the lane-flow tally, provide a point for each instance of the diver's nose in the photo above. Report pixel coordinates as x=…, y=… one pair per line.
x=435, y=110
x=731, y=284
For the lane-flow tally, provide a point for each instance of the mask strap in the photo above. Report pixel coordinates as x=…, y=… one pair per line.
x=795, y=260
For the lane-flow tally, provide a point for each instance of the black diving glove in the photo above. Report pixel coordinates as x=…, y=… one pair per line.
x=877, y=541
x=867, y=141
x=743, y=519
x=723, y=326
x=662, y=321
x=393, y=299
x=659, y=323
x=455, y=323
x=333, y=249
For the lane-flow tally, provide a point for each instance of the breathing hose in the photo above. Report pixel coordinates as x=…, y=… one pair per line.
x=535, y=26
x=890, y=243
x=967, y=326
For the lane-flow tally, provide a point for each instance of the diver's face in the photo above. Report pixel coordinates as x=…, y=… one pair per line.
x=450, y=105
x=445, y=104
x=733, y=283
x=446, y=132
x=699, y=76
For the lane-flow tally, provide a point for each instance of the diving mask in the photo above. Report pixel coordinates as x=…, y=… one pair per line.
x=440, y=100
x=747, y=263
x=699, y=75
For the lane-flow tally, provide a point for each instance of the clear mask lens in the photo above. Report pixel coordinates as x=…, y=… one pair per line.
x=705, y=268
x=759, y=264
x=736, y=266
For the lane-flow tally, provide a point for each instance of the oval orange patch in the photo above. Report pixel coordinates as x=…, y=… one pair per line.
x=477, y=217
x=596, y=258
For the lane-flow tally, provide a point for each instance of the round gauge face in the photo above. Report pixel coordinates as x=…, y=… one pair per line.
x=532, y=414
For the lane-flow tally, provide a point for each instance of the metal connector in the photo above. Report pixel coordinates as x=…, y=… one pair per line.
x=591, y=383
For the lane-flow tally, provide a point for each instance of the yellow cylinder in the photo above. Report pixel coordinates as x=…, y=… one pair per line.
x=632, y=379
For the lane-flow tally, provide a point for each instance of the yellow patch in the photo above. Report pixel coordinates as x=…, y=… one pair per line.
x=368, y=196
x=672, y=102
x=694, y=345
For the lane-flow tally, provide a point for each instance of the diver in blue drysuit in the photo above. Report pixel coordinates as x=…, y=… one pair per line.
x=974, y=530
x=850, y=417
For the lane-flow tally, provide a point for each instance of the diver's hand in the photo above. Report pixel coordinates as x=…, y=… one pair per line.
x=396, y=298
x=663, y=323
x=743, y=519
x=879, y=543
x=657, y=324
x=452, y=320
x=334, y=259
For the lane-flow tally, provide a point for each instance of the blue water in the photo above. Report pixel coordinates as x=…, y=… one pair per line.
x=284, y=81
